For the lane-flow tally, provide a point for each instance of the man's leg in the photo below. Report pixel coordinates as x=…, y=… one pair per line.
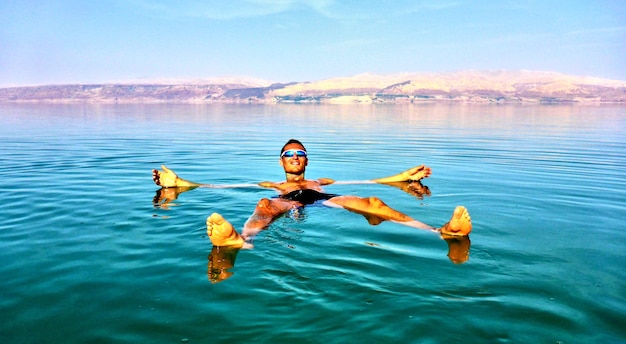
x=376, y=211
x=222, y=232
x=266, y=211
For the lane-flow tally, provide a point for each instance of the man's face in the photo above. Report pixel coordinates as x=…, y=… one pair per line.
x=294, y=164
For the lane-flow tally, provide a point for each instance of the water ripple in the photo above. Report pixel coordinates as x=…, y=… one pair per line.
x=88, y=257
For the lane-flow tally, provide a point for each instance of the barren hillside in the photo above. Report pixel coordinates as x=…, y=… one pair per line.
x=467, y=86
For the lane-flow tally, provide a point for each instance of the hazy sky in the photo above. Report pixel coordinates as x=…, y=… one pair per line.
x=83, y=41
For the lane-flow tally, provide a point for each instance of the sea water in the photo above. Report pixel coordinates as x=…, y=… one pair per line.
x=91, y=254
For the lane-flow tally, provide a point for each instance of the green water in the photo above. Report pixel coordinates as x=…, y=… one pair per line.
x=87, y=257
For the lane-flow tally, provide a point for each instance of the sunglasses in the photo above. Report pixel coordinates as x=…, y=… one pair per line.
x=293, y=152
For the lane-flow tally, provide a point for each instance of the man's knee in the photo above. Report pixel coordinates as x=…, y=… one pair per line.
x=376, y=202
x=264, y=203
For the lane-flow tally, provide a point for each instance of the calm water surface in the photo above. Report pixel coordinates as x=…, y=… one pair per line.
x=87, y=257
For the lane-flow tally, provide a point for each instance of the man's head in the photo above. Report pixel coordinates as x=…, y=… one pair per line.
x=291, y=142
x=293, y=157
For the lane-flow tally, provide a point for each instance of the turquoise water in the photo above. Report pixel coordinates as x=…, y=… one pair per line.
x=87, y=257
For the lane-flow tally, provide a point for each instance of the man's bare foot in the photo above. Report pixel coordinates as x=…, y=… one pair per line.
x=460, y=223
x=168, y=179
x=221, y=232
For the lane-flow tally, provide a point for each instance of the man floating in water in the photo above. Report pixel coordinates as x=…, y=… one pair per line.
x=296, y=191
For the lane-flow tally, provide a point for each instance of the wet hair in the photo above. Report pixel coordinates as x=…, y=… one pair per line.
x=290, y=142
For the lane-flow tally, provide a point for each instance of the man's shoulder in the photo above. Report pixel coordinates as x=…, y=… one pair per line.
x=325, y=181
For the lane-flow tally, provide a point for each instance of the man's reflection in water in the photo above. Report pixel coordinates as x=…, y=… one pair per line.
x=222, y=258
x=458, y=248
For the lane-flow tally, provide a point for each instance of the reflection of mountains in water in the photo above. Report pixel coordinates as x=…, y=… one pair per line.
x=503, y=86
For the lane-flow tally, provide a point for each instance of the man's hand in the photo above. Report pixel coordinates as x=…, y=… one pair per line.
x=168, y=179
x=165, y=178
x=412, y=174
x=417, y=173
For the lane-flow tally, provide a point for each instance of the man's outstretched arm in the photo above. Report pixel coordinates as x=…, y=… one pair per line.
x=413, y=174
x=166, y=178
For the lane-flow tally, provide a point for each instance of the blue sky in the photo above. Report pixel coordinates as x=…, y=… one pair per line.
x=81, y=41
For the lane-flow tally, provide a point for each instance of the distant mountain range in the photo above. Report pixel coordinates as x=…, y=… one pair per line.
x=467, y=86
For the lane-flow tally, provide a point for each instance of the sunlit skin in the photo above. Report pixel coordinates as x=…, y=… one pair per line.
x=226, y=240
x=168, y=179
x=222, y=233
